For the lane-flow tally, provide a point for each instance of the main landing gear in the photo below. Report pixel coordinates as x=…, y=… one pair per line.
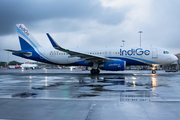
x=95, y=71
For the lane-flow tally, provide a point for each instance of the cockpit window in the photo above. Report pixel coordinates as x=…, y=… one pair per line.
x=165, y=52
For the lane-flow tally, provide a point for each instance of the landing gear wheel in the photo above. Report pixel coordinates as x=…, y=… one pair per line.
x=153, y=72
x=95, y=71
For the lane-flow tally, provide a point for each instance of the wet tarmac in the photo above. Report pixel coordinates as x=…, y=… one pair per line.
x=66, y=95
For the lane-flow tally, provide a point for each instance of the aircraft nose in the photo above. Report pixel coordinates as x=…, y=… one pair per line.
x=174, y=58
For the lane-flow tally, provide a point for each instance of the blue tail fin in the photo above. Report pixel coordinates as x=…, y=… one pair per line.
x=27, y=41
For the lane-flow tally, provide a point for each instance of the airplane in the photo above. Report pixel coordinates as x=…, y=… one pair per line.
x=28, y=66
x=114, y=59
x=14, y=66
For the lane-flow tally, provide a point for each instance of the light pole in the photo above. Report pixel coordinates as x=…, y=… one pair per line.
x=140, y=36
x=8, y=59
x=123, y=42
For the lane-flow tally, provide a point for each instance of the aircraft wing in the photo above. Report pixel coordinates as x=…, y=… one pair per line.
x=20, y=52
x=83, y=56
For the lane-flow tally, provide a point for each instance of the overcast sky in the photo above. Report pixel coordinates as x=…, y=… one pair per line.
x=91, y=23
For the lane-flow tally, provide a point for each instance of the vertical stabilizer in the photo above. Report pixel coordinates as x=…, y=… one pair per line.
x=27, y=41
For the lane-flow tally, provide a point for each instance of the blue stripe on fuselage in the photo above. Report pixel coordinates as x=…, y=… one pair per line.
x=34, y=56
x=140, y=59
x=37, y=57
x=130, y=61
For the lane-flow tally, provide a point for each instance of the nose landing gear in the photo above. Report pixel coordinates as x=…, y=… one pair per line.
x=153, y=70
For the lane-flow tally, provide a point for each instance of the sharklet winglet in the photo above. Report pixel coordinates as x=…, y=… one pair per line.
x=55, y=45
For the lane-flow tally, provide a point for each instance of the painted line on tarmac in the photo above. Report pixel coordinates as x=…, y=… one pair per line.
x=100, y=99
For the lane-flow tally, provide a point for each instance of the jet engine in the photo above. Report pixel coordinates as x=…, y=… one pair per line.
x=114, y=65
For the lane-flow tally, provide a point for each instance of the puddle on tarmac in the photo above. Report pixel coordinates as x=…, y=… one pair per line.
x=24, y=95
x=45, y=87
x=99, y=88
x=86, y=95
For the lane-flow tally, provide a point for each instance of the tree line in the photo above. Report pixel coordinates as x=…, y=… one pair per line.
x=4, y=64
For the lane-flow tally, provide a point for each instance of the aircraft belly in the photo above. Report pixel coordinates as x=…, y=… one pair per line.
x=72, y=60
x=61, y=60
x=64, y=60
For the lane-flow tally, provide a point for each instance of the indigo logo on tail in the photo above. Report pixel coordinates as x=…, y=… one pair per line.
x=24, y=30
x=137, y=51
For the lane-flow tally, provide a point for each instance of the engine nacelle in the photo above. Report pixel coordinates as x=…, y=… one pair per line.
x=113, y=65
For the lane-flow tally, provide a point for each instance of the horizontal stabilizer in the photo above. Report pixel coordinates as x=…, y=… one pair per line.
x=20, y=52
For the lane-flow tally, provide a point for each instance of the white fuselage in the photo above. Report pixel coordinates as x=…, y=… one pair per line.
x=132, y=56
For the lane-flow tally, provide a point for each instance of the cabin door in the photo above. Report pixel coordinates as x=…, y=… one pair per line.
x=154, y=53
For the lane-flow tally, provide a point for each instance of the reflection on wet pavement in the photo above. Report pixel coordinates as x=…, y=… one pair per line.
x=110, y=86
x=51, y=84
x=77, y=95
